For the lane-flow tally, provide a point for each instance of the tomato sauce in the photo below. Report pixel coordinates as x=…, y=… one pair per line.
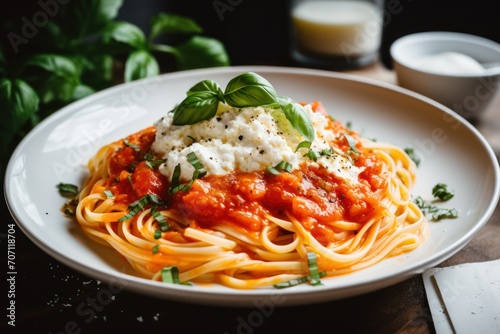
x=310, y=193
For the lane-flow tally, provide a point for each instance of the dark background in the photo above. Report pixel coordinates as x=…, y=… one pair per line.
x=256, y=32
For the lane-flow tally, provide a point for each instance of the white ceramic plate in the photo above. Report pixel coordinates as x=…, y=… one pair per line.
x=57, y=150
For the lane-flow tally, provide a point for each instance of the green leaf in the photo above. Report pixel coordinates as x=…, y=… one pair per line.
x=170, y=275
x=67, y=190
x=304, y=144
x=108, y=9
x=57, y=64
x=249, y=90
x=18, y=103
x=351, y=142
x=209, y=86
x=61, y=80
x=413, y=155
x=82, y=91
x=18, y=100
x=298, y=118
x=57, y=88
x=199, y=52
x=92, y=16
x=139, y=205
x=313, y=269
x=141, y=64
x=196, y=107
x=440, y=191
x=164, y=23
x=127, y=33
x=98, y=71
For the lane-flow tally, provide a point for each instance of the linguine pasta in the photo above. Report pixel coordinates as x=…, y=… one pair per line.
x=252, y=229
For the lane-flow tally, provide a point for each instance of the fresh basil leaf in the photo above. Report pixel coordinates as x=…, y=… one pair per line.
x=98, y=71
x=164, y=23
x=304, y=144
x=82, y=91
x=58, y=65
x=141, y=64
x=207, y=86
x=298, y=118
x=60, y=80
x=18, y=103
x=249, y=90
x=127, y=33
x=90, y=16
x=199, y=52
x=197, y=107
x=56, y=88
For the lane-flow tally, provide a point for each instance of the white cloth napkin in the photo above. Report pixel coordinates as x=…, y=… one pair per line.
x=464, y=298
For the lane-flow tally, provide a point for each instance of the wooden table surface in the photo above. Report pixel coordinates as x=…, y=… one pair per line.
x=52, y=298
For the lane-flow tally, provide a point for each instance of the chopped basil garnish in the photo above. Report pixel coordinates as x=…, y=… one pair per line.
x=313, y=277
x=198, y=166
x=311, y=155
x=440, y=191
x=139, y=205
x=70, y=207
x=129, y=144
x=327, y=151
x=171, y=275
x=199, y=172
x=154, y=163
x=313, y=269
x=413, y=156
x=70, y=191
x=175, y=184
x=132, y=166
x=437, y=212
x=281, y=166
x=157, y=234
x=351, y=142
x=67, y=190
x=164, y=226
x=156, y=248
x=108, y=193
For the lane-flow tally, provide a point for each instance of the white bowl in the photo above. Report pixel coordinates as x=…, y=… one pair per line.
x=466, y=92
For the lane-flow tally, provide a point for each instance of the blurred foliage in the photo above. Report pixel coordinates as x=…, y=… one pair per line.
x=81, y=48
